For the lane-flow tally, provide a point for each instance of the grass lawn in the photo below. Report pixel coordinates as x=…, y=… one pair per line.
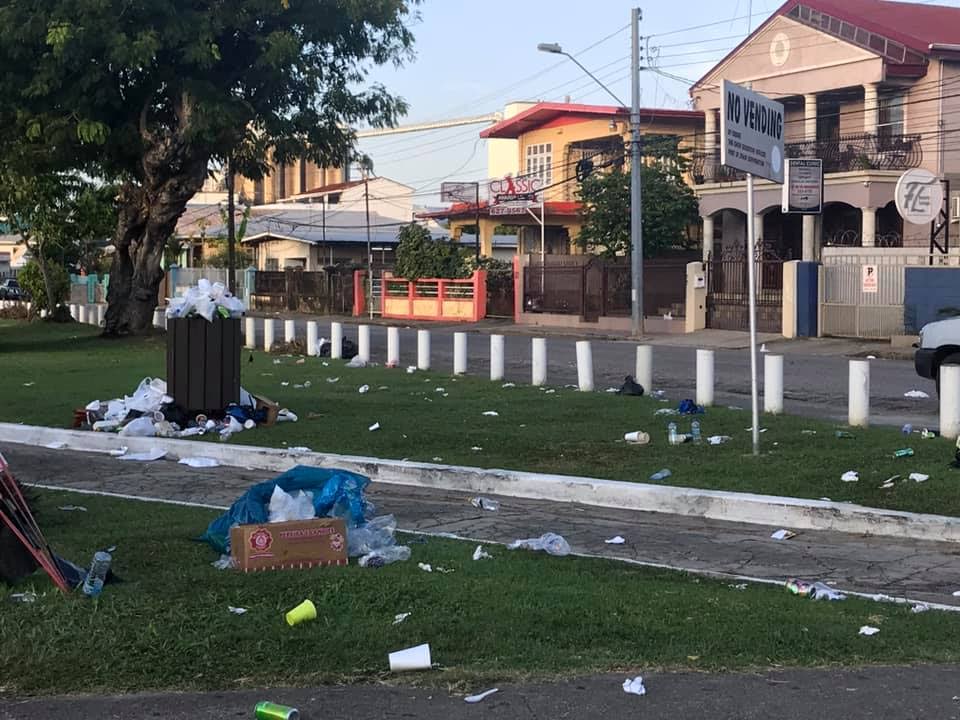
x=519, y=615
x=565, y=432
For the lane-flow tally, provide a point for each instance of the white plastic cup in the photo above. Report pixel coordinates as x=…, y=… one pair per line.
x=638, y=436
x=415, y=658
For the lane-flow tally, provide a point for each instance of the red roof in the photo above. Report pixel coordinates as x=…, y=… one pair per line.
x=545, y=113
x=470, y=210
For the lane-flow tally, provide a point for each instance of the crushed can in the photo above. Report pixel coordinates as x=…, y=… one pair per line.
x=271, y=711
x=905, y=452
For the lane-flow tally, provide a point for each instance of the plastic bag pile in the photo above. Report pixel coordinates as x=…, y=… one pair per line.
x=207, y=300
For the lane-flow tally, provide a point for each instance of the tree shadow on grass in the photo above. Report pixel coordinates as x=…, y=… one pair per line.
x=64, y=342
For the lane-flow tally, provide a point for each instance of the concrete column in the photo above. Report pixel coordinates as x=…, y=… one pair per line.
x=710, y=145
x=950, y=401
x=539, y=352
x=100, y=310
x=423, y=349
x=158, y=317
x=82, y=314
x=393, y=347
x=868, y=235
x=496, y=358
x=250, y=333
x=336, y=340
x=707, y=237
x=696, y=299
x=459, y=353
x=809, y=238
x=267, y=334
x=789, y=299
x=313, y=335
x=871, y=107
x=643, y=371
x=705, y=377
x=773, y=384
x=363, y=342
x=289, y=331
x=584, y=366
x=858, y=406
x=810, y=117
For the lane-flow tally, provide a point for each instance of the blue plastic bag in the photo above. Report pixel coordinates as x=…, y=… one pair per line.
x=689, y=407
x=336, y=493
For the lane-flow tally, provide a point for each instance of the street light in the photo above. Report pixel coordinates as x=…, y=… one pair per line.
x=636, y=188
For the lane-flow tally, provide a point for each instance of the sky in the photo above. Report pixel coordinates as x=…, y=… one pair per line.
x=474, y=56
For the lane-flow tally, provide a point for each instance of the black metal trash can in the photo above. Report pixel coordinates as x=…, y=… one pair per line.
x=203, y=363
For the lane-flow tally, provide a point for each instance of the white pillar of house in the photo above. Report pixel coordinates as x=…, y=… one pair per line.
x=809, y=238
x=707, y=237
x=868, y=235
x=871, y=107
x=710, y=144
x=810, y=117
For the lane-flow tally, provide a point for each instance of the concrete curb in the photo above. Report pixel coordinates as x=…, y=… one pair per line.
x=794, y=513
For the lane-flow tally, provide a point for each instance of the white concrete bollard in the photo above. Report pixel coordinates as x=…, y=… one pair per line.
x=773, y=384
x=584, y=366
x=539, y=359
x=158, y=318
x=336, y=340
x=643, y=373
x=313, y=337
x=705, y=377
x=496, y=358
x=423, y=349
x=289, y=331
x=267, y=334
x=73, y=311
x=459, y=353
x=363, y=342
x=393, y=347
x=250, y=333
x=101, y=311
x=950, y=401
x=859, y=402
x=82, y=314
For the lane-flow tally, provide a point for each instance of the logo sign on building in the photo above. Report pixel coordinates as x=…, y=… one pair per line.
x=512, y=196
x=458, y=192
x=919, y=196
x=803, y=186
x=869, y=281
x=751, y=132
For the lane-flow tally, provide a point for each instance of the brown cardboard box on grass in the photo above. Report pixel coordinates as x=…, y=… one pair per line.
x=272, y=408
x=297, y=544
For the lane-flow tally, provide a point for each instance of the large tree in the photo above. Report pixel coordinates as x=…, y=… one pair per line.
x=154, y=90
x=670, y=207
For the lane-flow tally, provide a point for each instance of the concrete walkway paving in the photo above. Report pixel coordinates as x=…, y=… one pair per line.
x=922, y=571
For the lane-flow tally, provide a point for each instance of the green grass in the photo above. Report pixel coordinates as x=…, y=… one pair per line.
x=517, y=616
x=566, y=432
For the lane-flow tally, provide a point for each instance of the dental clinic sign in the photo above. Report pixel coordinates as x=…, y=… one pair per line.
x=751, y=132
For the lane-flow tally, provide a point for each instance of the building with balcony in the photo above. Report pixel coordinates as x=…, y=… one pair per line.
x=869, y=86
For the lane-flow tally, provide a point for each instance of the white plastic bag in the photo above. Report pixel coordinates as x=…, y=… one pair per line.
x=549, y=542
x=284, y=506
x=139, y=427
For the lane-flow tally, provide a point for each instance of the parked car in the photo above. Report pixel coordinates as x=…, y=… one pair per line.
x=939, y=345
x=10, y=290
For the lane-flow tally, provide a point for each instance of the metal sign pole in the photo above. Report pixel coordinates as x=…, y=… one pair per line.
x=751, y=280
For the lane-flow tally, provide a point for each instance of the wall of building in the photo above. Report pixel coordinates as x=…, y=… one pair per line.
x=502, y=153
x=285, y=251
x=930, y=294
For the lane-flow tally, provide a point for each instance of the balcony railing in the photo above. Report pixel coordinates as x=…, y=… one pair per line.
x=846, y=153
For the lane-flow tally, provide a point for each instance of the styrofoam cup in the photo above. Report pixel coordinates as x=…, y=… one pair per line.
x=415, y=658
x=638, y=437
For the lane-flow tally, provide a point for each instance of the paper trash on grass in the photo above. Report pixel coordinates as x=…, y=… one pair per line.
x=616, y=540
x=917, y=394
x=868, y=630
x=411, y=369
x=236, y=610
x=919, y=477
x=634, y=686
x=783, y=535
x=666, y=411
x=147, y=456
x=333, y=380
x=850, y=476
x=718, y=439
x=481, y=554
x=400, y=617
x=363, y=389
x=374, y=427
x=508, y=385
x=480, y=696
x=426, y=567
x=200, y=462
x=72, y=508
x=491, y=413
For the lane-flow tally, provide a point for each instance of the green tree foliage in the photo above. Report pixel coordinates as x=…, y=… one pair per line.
x=48, y=288
x=420, y=256
x=670, y=207
x=153, y=92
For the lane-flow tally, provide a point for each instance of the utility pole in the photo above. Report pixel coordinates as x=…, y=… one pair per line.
x=231, y=232
x=366, y=200
x=636, y=181
x=477, y=188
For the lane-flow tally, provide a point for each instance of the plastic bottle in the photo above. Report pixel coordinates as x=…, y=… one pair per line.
x=662, y=475
x=672, y=436
x=385, y=556
x=695, y=432
x=93, y=584
x=482, y=503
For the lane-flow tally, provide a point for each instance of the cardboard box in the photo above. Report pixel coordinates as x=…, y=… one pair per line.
x=270, y=406
x=297, y=544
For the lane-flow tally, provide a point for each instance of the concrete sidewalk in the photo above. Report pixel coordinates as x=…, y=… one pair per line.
x=921, y=571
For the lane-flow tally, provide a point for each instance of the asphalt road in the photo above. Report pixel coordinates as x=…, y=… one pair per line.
x=815, y=385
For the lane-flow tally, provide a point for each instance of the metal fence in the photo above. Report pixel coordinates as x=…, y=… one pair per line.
x=301, y=290
x=847, y=311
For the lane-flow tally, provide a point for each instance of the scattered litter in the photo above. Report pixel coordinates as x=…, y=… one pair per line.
x=439, y=390
x=400, y=617
x=303, y=612
x=492, y=413
x=661, y=475
x=907, y=429
x=284, y=383
x=374, y=427
x=808, y=432
x=635, y=686
x=918, y=394
x=814, y=590
x=383, y=387
x=738, y=586
x=226, y=562
x=236, y=610
x=25, y=597
x=871, y=357
x=750, y=429
x=426, y=567
x=551, y=391
x=482, y=503
x=612, y=390
x=480, y=696
x=301, y=361
x=55, y=445
x=356, y=362
x=637, y=437
x=734, y=407
x=72, y=508
x=919, y=477
x=277, y=361
x=206, y=300
x=616, y=540
x=363, y=389
x=867, y=630
x=437, y=459
x=200, y=462
x=325, y=363
x=929, y=434
x=549, y=542
x=631, y=387
x=284, y=506
x=919, y=608
x=415, y=658
x=481, y=554
x=385, y=556
x=29, y=384
x=666, y=411
x=411, y=369
x=850, y=476
x=333, y=380
x=783, y=535
x=147, y=456
x=508, y=385
x=718, y=439
x=298, y=450
x=476, y=448
x=904, y=452
x=122, y=450
x=888, y=483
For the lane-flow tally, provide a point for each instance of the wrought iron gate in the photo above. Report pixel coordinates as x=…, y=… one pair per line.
x=728, y=300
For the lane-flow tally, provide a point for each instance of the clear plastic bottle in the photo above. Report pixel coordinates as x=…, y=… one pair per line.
x=661, y=475
x=97, y=575
x=695, y=432
x=672, y=436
